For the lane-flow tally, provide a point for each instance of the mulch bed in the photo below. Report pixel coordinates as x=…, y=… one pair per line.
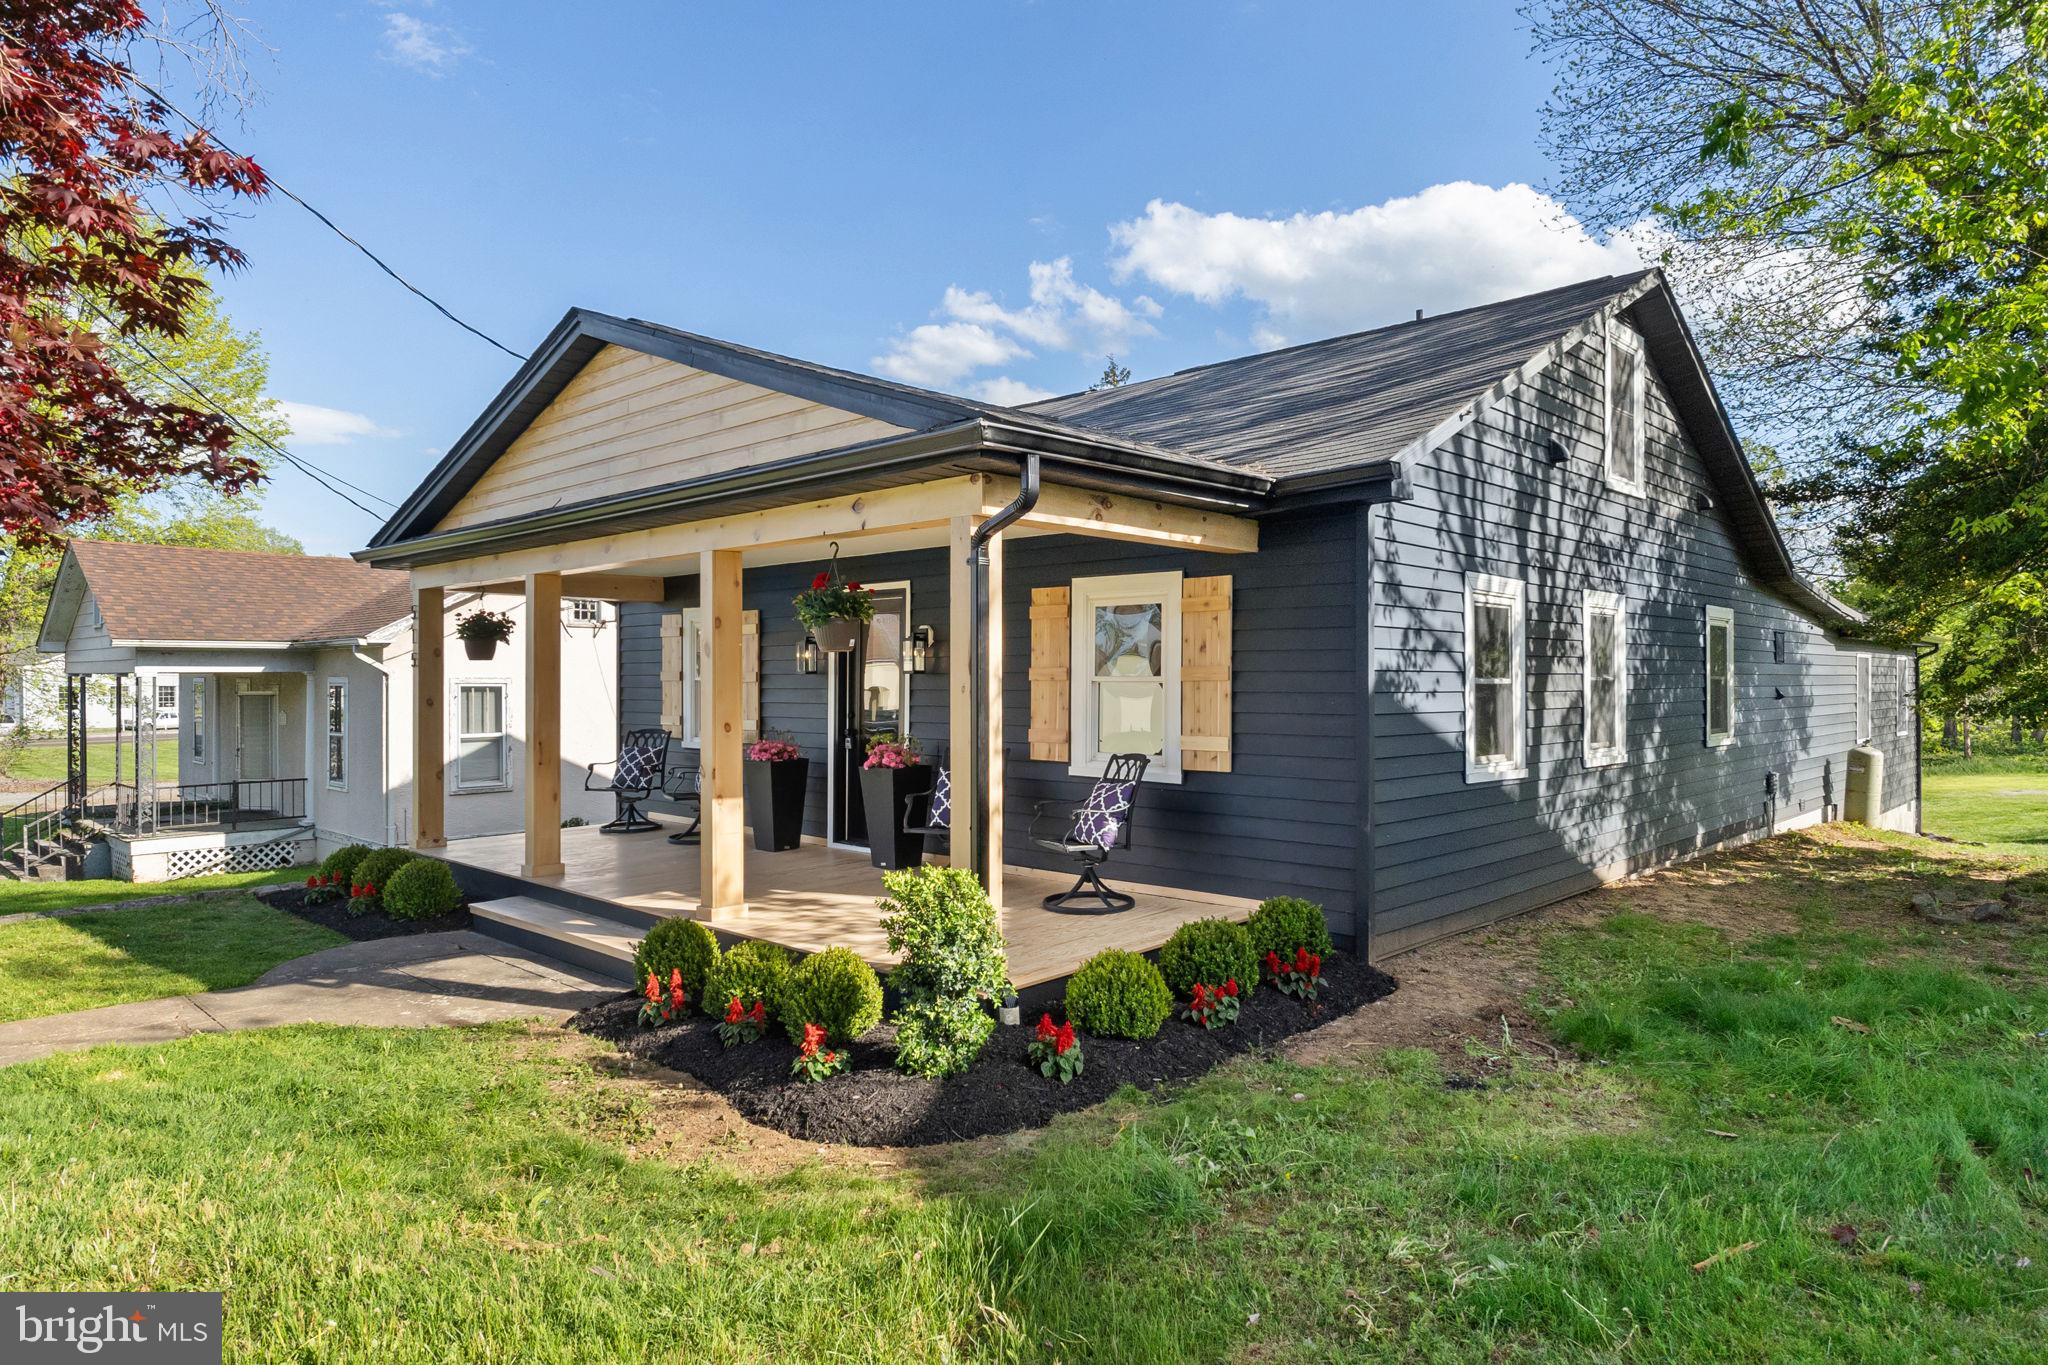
x=874, y=1105
x=372, y=924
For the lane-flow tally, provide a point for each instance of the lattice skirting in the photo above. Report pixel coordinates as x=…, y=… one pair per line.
x=195, y=862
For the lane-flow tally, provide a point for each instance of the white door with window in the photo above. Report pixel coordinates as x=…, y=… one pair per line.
x=256, y=758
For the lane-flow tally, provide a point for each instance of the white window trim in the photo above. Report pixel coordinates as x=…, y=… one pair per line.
x=504, y=686
x=1081, y=712
x=1866, y=698
x=574, y=607
x=1516, y=593
x=1723, y=616
x=1613, y=603
x=327, y=727
x=693, y=673
x=200, y=705
x=1620, y=332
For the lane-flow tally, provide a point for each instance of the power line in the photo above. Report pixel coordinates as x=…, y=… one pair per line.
x=331, y=225
x=325, y=478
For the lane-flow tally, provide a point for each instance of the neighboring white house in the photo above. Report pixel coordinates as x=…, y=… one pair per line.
x=34, y=696
x=289, y=679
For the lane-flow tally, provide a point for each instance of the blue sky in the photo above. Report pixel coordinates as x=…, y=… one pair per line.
x=983, y=198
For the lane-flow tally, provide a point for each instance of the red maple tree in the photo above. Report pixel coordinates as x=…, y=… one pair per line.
x=82, y=145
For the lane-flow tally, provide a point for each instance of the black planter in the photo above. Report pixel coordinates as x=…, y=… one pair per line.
x=480, y=649
x=882, y=793
x=775, y=802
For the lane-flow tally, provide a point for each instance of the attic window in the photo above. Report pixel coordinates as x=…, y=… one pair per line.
x=1625, y=389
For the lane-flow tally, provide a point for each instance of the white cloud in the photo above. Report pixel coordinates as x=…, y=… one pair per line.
x=1009, y=392
x=1063, y=315
x=313, y=425
x=1317, y=274
x=413, y=42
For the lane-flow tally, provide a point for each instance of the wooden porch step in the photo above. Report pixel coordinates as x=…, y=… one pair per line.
x=603, y=945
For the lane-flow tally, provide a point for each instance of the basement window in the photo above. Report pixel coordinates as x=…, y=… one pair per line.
x=1626, y=384
x=1720, y=680
x=1605, y=651
x=1496, y=676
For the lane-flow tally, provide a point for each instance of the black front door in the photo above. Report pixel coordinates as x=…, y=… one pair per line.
x=869, y=692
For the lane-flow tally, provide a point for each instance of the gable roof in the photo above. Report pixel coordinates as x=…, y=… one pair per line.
x=164, y=593
x=1342, y=402
x=1242, y=434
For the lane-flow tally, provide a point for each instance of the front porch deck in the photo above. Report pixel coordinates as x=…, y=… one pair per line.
x=818, y=897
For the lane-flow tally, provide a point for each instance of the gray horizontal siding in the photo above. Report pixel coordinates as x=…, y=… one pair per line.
x=1448, y=854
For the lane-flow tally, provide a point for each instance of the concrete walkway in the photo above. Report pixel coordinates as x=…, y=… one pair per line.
x=421, y=981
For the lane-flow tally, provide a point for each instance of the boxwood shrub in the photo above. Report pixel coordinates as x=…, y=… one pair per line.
x=1118, y=995
x=342, y=863
x=953, y=967
x=835, y=989
x=1285, y=923
x=681, y=944
x=421, y=889
x=752, y=970
x=375, y=868
x=941, y=1037
x=1209, y=951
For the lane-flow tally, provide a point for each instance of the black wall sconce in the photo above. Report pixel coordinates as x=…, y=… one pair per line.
x=807, y=660
x=1554, y=452
x=1703, y=502
x=920, y=650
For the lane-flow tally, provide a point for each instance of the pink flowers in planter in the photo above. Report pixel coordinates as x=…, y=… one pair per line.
x=774, y=751
x=886, y=751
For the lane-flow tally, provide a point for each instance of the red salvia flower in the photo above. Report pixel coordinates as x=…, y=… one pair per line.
x=653, y=989
x=1201, y=1000
x=1046, y=1030
x=814, y=1038
x=1063, y=1040
x=1301, y=963
x=676, y=998
x=735, y=1013
x=1272, y=962
x=759, y=1014
x=312, y=881
x=1230, y=986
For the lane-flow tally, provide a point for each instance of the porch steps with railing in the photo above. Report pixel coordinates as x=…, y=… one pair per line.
x=597, y=942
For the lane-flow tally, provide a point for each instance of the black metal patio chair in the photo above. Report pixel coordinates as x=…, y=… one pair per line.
x=685, y=787
x=636, y=774
x=1094, y=829
x=931, y=812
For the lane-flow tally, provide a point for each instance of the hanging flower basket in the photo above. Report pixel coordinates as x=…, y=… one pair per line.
x=481, y=632
x=834, y=610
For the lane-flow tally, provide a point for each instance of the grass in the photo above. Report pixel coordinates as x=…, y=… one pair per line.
x=21, y=897
x=111, y=957
x=2001, y=801
x=44, y=763
x=476, y=1194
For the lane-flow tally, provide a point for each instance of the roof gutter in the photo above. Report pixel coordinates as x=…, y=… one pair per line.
x=982, y=856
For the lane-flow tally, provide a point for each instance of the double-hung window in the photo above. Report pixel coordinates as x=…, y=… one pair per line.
x=337, y=734
x=1605, y=650
x=199, y=718
x=693, y=673
x=1496, y=676
x=1863, y=706
x=1126, y=672
x=1626, y=387
x=480, y=757
x=1720, y=680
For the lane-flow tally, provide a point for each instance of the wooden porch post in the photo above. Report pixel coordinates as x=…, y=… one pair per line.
x=960, y=709
x=429, y=720
x=543, y=726
x=722, y=845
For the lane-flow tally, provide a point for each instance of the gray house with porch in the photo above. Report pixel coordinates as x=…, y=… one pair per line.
x=1431, y=624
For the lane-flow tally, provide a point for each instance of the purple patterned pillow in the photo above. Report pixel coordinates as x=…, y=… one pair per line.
x=1102, y=819
x=638, y=768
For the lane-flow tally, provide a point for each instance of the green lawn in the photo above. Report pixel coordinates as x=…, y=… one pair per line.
x=19, y=897
x=110, y=957
x=44, y=763
x=2001, y=801
x=475, y=1195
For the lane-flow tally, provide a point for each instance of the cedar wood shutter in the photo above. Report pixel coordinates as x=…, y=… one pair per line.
x=750, y=676
x=672, y=674
x=1205, y=674
x=1205, y=662
x=1050, y=688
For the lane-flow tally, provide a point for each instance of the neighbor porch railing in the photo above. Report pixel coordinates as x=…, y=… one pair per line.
x=196, y=805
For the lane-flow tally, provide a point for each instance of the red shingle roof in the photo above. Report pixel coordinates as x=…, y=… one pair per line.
x=175, y=592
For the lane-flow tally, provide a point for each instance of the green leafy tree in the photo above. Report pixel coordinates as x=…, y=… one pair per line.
x=1113, y=375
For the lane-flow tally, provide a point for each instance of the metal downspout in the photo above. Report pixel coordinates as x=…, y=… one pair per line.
x=977, y=557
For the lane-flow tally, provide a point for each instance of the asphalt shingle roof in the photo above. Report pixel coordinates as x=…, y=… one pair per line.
x=177, y=592
x=1350, y=400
